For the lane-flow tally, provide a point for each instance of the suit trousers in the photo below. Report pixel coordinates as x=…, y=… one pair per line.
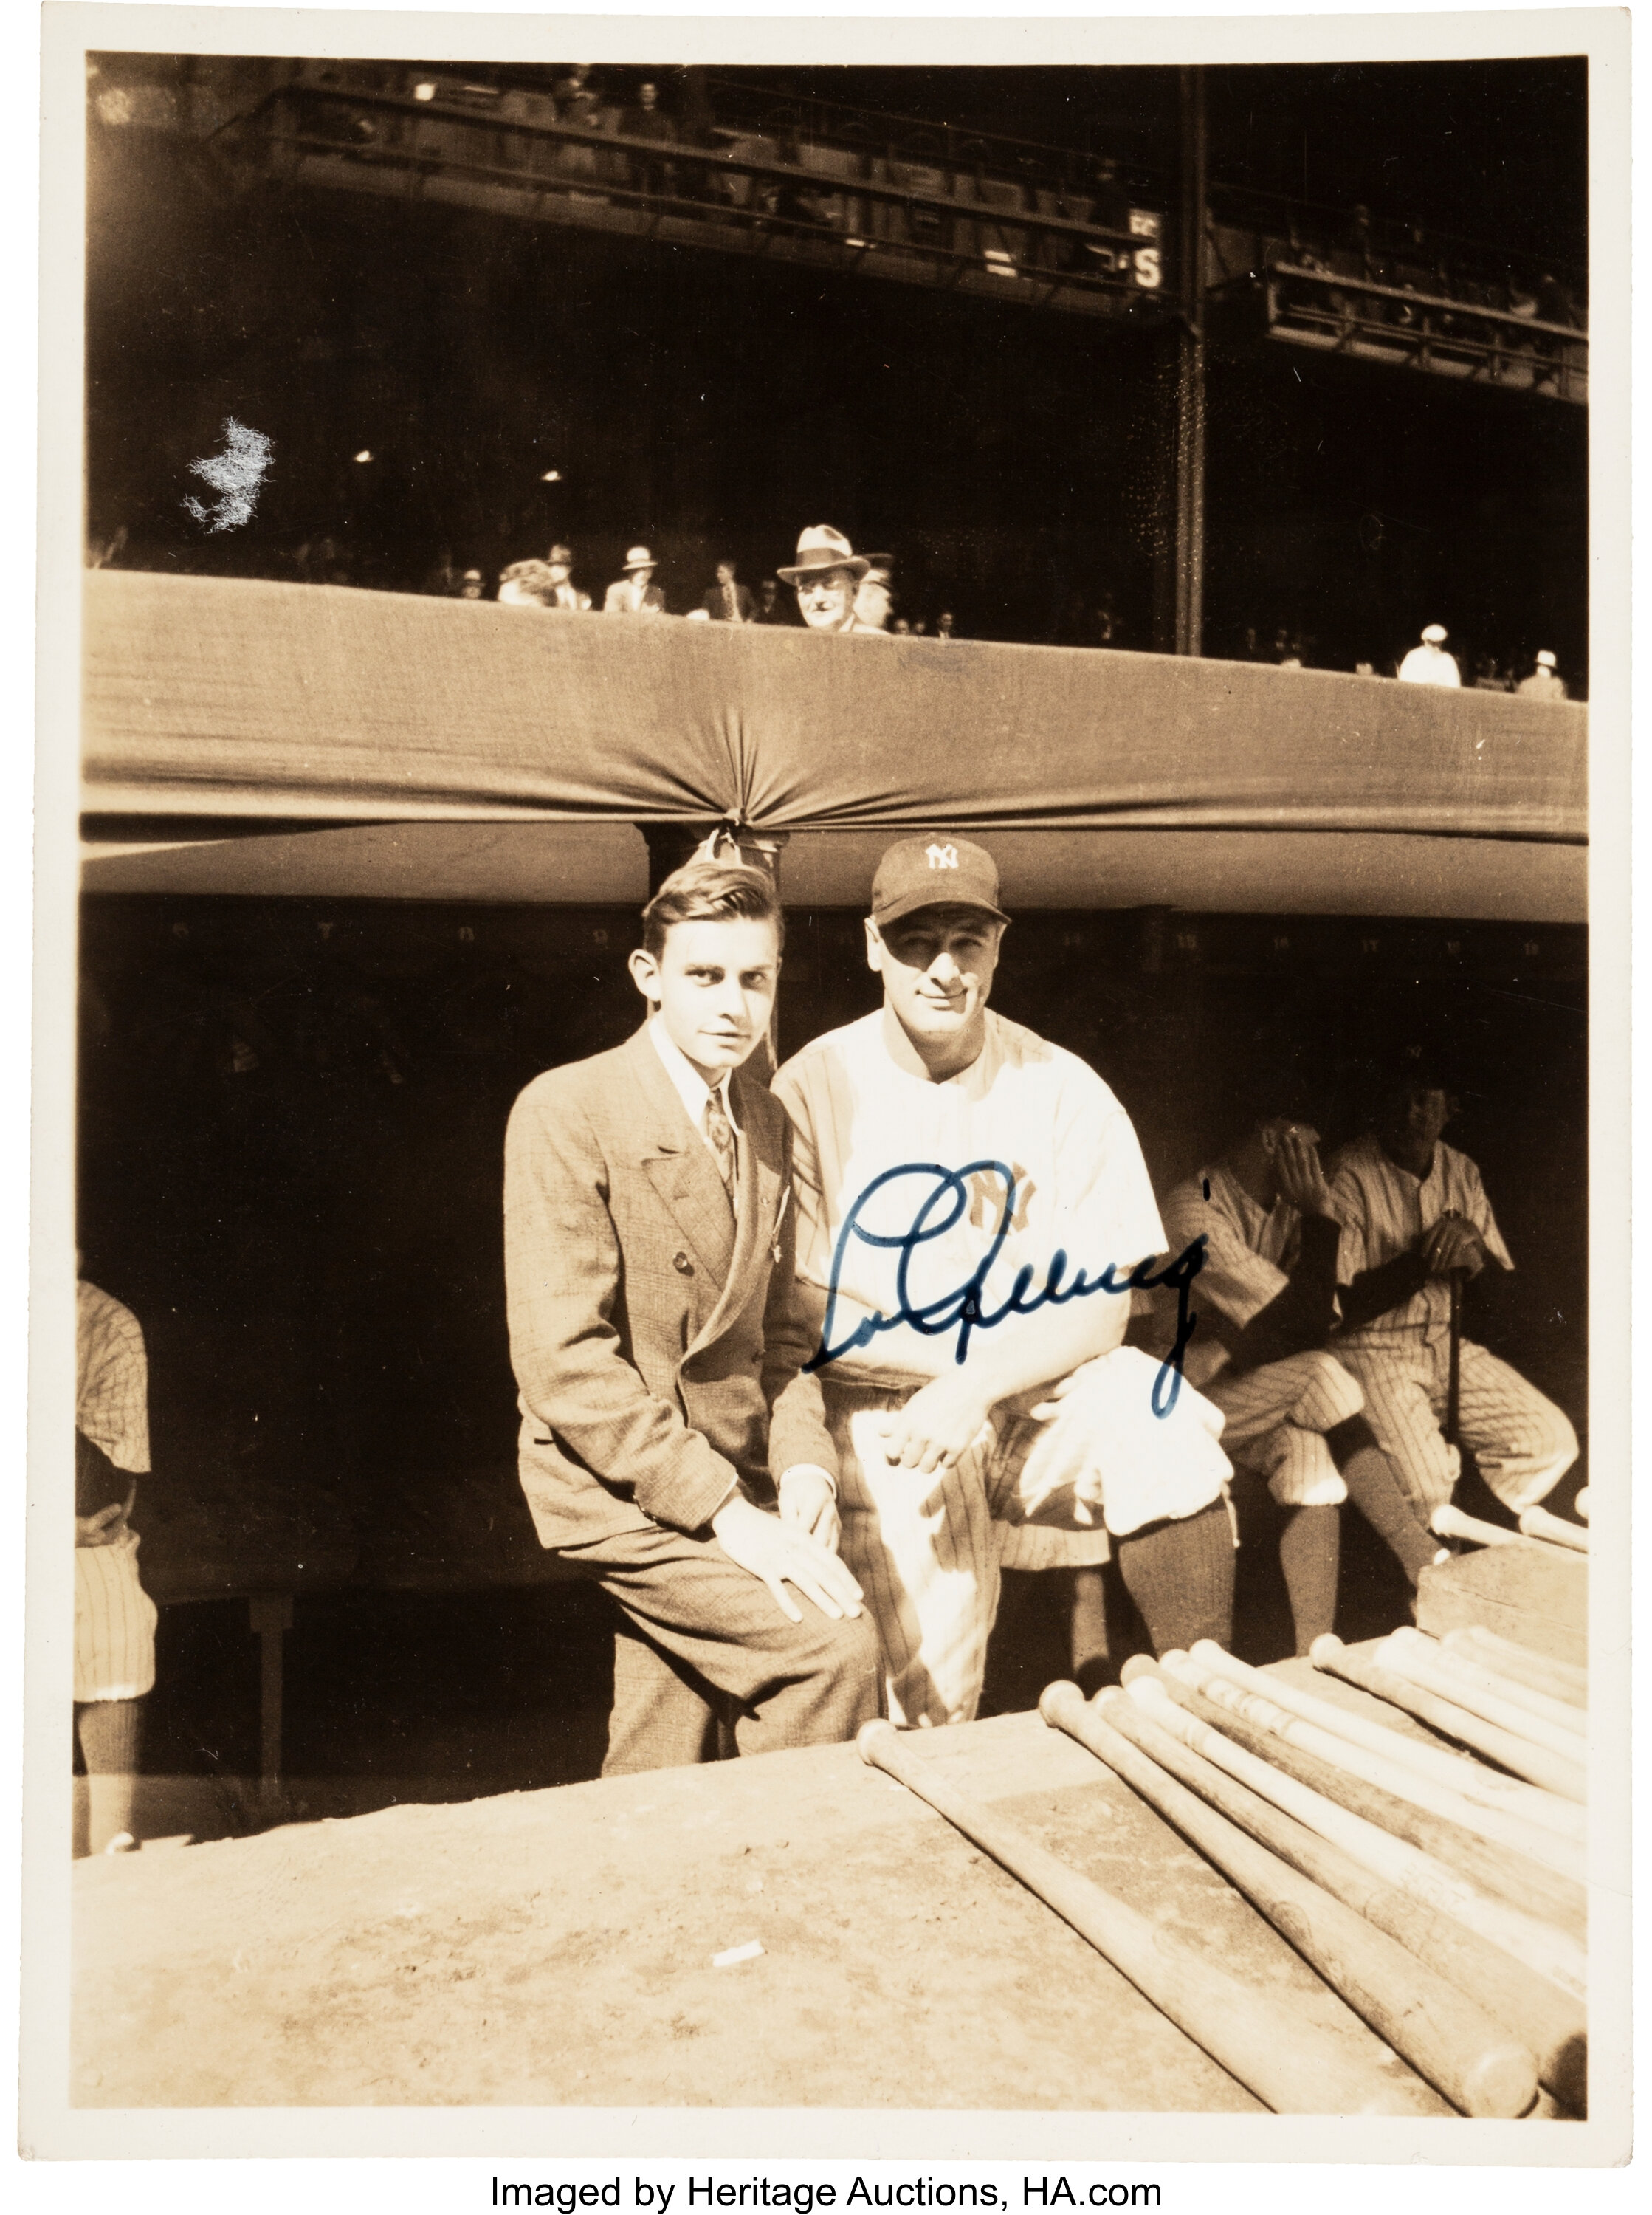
x=703, y=1649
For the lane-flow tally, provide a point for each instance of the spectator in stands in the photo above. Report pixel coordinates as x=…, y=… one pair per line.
x=1488, y=674
x=1365, y=668
x=874, y=598
x=564, y=592
x=1545, y=682
x=1430, y=663
x=472, y=585
x=944, y=630
x=547, y=584
x=728, y=599
x=827, y=575
x=769, y=607
x=648, y=120
x=444, y=580
x=635, y=593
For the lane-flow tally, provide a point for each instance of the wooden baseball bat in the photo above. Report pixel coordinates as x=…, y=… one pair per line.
x=1550, y=1952
x=1444, y=2036
x=1582, y=1502
x=1410, y=1654
x=1260, y=2040
x=1534, y=1762
x=1563, y=1857
x=1552, y=2021
x=1458, y=1772
x=1537, y=1523
x=1448, y=1522
x=1564, y=1714
x=1563, y=1680
x=1502, y=1874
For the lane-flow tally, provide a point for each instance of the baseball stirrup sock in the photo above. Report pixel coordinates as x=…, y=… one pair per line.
x=1374, y=1490
x=1309, y=1547
x=111, y=1738
x=1181, y=1577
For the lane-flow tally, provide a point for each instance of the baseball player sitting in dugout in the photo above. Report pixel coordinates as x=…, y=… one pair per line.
x=971, y=1201
x=1414, y=1214
x=1266, y=1303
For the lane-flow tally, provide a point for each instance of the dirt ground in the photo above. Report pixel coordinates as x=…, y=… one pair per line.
x=554, y=1947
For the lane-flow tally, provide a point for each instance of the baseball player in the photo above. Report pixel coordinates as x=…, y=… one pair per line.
x=1414, y=1212
x=962, y=1187
x=114, y=1617
x=1266, y=1300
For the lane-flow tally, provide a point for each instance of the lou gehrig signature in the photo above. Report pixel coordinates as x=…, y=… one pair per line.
x=940, y=1204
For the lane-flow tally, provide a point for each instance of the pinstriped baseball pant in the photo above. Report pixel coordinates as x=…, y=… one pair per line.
x=114, y=1623
x=1523, y=1442
x=1276, y=1418
x=928, y=1552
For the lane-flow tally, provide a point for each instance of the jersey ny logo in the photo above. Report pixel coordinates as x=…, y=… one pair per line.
x=942, y=858
x=986, y=1196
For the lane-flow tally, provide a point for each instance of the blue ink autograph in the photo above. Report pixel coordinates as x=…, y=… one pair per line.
x=963, y=1309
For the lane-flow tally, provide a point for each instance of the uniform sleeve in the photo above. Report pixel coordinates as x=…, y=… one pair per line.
x=796, y=1410
x=1348, y=1203
x=1478, y=1211
x=810, y=1209
x=1234, y=1277
x=112, y=1382
x=1105, y=1209
x=562, y=1270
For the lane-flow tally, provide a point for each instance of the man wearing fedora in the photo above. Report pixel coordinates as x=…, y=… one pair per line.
x=635, y=593
x=1430, y=663
x=827, y=575
x=1545, y=682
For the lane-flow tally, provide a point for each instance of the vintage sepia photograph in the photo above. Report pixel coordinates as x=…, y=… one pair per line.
x=844, y=1370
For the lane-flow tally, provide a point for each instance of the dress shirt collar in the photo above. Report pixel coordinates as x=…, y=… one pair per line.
x=691, y=1086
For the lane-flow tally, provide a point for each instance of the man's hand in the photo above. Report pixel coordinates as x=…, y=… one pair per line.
x=781, y=1554
x=1453, y=1245
x=107, y=1526
x=1301, y=1178
x=808, y=1498
x=938, y=1425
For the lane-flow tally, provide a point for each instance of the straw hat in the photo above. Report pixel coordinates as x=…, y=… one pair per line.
x=1434, y=634
x=1545, y=660
x=638, y=557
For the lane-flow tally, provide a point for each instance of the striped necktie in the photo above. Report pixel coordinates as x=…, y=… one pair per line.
x=719, y=1135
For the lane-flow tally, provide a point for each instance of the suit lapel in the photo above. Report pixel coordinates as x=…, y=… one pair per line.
x=680, y=1165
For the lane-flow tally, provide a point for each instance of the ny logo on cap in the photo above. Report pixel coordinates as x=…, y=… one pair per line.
x=942, y=858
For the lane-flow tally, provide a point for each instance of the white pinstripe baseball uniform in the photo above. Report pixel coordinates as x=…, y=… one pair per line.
x=1522, y=1442
x=1278, y=1412
x=928, y=1550
x=114, y=1617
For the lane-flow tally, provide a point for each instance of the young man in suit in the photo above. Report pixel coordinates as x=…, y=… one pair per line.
x=728, y=599
x=649, y=1226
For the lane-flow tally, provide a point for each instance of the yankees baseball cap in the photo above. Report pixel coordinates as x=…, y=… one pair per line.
x=934, y=872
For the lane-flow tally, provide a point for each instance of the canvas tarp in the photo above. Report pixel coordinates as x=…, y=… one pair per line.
x=221, y=697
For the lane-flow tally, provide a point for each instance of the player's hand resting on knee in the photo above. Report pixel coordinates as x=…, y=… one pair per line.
x=781, y=1554
x=809, y=1499
x=938, y=1425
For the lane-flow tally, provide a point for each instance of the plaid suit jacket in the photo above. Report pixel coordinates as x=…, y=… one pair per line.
x=641, y=1317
